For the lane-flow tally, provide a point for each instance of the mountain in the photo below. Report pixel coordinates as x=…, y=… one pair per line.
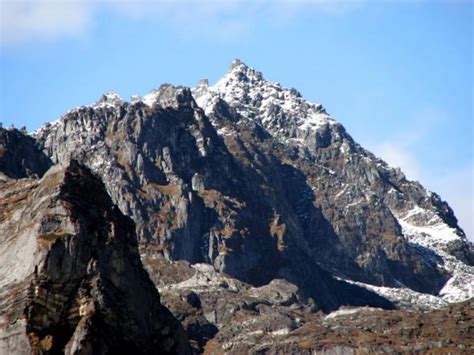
x=245, y=192
x=246, y=174
x=71, y=278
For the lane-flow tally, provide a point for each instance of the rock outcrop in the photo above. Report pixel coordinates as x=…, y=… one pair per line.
x=350, y=331
x=20, y=155
x=71, y=279
x=246, y=196
x=229, y=316
x=246, y=174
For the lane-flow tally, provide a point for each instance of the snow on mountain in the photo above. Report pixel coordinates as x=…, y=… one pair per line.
x=282, y=111
x=150, y=98
x=290, y=119
x=109, y=99
x=293, y=121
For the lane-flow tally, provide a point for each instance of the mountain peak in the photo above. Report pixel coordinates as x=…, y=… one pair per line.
x=108, y=99
x=242, y=175
x=280, y=110
x=237, y=63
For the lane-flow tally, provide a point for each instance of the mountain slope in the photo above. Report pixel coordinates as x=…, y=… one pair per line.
x=357, y=181
x=71, y=280
x=251, y=178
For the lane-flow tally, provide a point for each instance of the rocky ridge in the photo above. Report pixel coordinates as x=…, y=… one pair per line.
x=193, y=179
x=358, y=179
x=71, y=280
x=190, y=198
x=246, y=174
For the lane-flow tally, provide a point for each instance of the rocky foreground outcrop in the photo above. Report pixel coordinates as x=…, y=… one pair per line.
x=71, y=279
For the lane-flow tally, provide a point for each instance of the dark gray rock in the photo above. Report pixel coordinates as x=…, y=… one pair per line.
x=20, y=155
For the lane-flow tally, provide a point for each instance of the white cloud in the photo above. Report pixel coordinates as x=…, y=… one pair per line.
x=22, y=21
x=399, y=156
x=457, y=188
x=399, y=149
x=216, y=20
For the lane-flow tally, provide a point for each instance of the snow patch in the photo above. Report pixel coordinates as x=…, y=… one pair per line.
x=110, y=99
x=281, y=332
x=282, y=111
x=150, y=98
x=343, y=312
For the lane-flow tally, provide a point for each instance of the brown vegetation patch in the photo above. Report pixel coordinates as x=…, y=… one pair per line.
x=49, y=238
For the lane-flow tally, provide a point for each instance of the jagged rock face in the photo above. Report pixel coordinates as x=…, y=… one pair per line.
x=251, y=178
x=190, y=198
x=71, y=280
x=371, y=224
x=20, y=155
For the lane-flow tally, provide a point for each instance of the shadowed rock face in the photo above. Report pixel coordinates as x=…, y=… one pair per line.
x=251, y=178
x=71, y=280
x=276, y=210
x=191, y=198
x=20, y=155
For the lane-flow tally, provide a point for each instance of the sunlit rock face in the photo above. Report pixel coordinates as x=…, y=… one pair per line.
x=249, y=177
x=71, y=279
x=252, y=210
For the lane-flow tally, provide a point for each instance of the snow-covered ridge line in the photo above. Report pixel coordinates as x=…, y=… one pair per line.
x=282, y=111
x=106, y=100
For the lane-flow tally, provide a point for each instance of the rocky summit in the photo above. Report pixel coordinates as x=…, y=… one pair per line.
x=252, y=211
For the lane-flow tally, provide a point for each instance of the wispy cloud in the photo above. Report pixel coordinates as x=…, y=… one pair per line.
x=399, y=150
x=400, y=156
x=455, y=186
x=23, y=21
x=216, y=20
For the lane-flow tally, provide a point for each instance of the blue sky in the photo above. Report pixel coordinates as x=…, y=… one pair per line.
x=397, y=74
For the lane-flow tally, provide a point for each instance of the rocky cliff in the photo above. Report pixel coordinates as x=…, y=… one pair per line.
x=246, y=174
x=20, y=156
x=270, y=203
x=71, y=280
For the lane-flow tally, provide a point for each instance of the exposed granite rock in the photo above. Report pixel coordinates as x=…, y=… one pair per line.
x=191, y=199
x=71, y=280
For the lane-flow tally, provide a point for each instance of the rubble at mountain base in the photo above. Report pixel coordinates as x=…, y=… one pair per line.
x=229, y=316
